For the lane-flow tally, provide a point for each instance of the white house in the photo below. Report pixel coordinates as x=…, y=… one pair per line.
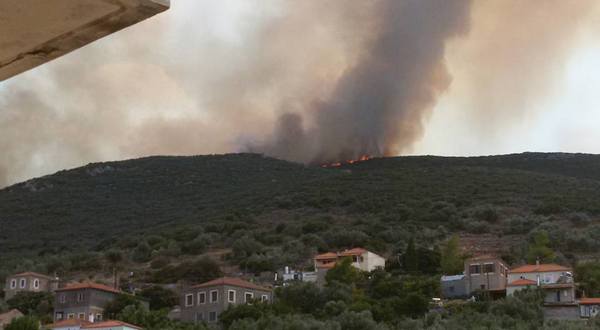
x=361, y=259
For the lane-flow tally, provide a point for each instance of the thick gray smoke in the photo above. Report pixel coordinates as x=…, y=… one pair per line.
x=378, y=106
x=305, y=80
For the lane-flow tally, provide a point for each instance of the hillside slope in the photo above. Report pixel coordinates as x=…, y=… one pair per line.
x=377, y=203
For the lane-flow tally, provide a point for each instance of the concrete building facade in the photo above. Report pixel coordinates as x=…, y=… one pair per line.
x=83, y=301
x=28, y=282
x=206, y=301
x=486, y=274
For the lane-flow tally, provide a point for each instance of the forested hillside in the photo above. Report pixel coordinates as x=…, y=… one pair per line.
x=272, y=213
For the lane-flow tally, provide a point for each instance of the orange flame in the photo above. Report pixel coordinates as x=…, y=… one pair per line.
x=347, y=162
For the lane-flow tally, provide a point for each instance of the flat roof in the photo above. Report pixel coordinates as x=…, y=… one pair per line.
x=33, y=32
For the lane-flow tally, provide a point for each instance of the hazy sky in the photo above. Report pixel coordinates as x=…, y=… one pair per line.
x=213, y=76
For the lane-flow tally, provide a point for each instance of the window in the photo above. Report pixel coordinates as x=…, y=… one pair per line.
x=202, y=298
x=474, y=269
x=22, y=283
x=36, y=284
x=13, y=284
x=81, y=316
x=231, y=296
x=189, y=300
x=71, y=316
x=264, y=298
x=199, y=317
x=483, y=287
x=62, y=298
x=489, y=268
x=212, y=317
x=214, y=296
x=80, y=296
x=59, y=316
x=248, y=297
x=98, y=317
x=558, y=296
x=451, y=289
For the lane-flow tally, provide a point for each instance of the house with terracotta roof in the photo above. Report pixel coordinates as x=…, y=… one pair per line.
x=589, y=307
x=69, y=324
x=555, y=279
x=205, y=302
x=83, y=301
x=361, y=259
x=557, y=283
x=29, y=282
x=75, y=324
x=6, y=318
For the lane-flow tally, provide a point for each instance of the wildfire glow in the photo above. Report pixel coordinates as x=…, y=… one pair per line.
x=347, y=162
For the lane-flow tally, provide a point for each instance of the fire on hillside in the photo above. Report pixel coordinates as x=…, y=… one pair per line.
x=347, y=162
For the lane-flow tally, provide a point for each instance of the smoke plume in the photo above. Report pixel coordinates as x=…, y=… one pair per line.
x=309, y=81
x=378, y=106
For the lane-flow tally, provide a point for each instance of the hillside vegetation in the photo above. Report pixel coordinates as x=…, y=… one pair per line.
x=269, y=213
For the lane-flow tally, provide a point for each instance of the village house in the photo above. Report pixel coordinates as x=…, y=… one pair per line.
x=557, y=283
x=83, y=301
x=75, y=324
x=7, y=317
x=29, y=282
x=362, y=259
x=589, y=307
x=486, y=274
x=206, y=301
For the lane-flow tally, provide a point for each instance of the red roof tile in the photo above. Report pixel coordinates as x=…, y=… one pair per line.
x=540, y=268
x=522, y=282
x=328, y=255
x=589, y=301
x=353, y=252
x=231, y=281
x=68, y=323
x=33, y=274
x=88, y=285
x=108, y=324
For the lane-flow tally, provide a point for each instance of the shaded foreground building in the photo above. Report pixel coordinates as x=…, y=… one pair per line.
x=83, y=301
x=29, y=282
x=205, y=302
x=37, y=31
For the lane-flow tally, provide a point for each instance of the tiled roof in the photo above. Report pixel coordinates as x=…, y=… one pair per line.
x=589, y=301
x=522, y=282
x=88, y=285
x=353, y=252
x=108, y=324
x=32, y=274
x=231, y=281
x=68, y=323
x=8, y=316
x=328, y=255
x=540, y=268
